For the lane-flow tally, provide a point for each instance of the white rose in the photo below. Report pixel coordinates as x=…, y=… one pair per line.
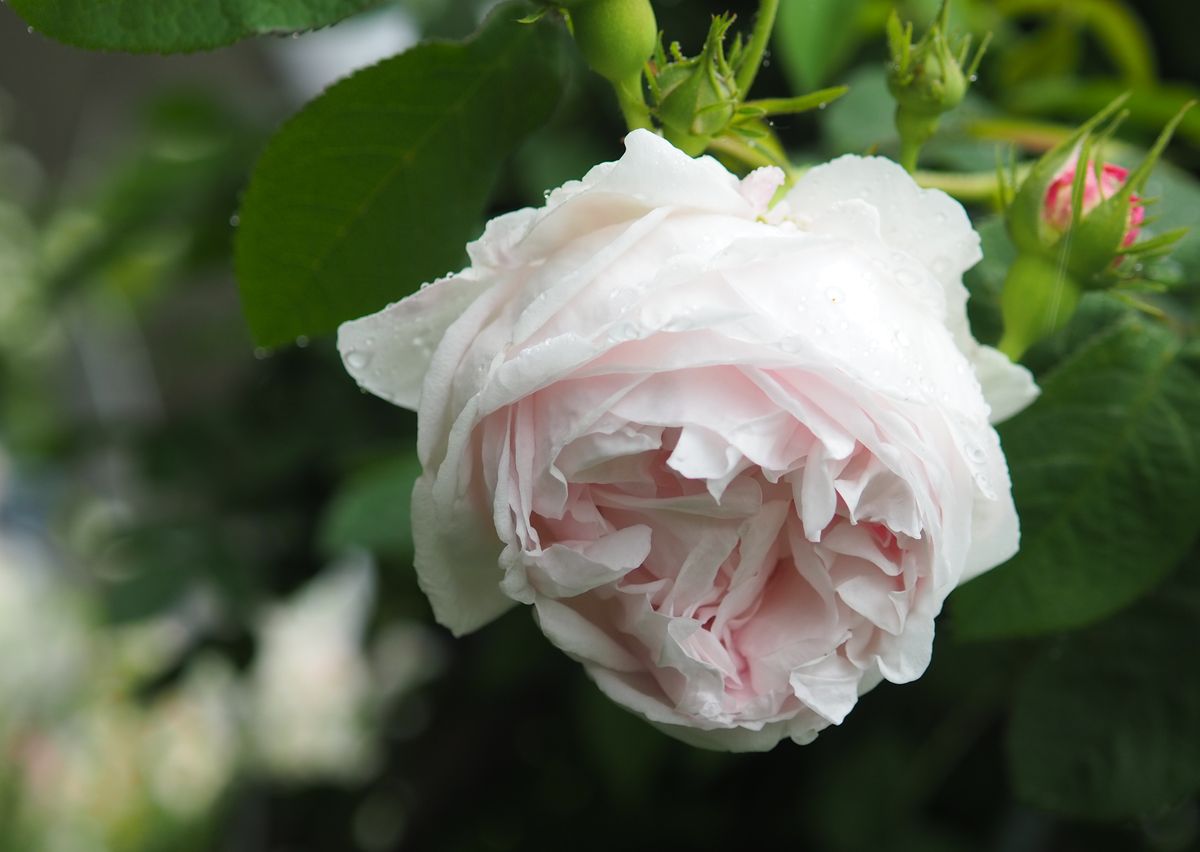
x=735, y=459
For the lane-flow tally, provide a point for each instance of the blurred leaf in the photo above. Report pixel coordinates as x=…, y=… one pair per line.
x=862, y=119
x=1117, y=29
x=554, y=156
x=376, y=186
x=181, y=177
x=1150, y=107
x=18, y=269
x=151, y=568
x=1105, y=468
x=372, y=510
x=1053, y=51
x=815, y=38
x=172, y=26
x=1106, y=723
x=1098, y=313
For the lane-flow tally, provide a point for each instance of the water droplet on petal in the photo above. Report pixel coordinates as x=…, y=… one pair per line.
x=834, y=295
x=622, y=332
x=358, y=360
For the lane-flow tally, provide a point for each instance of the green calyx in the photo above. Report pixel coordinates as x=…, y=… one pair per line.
x=927, y=78
x=700, y=102
x=695, y=98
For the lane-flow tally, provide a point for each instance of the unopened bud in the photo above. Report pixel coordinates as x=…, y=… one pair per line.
x=616, y=37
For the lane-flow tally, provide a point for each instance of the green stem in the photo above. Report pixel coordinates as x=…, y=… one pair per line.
x=914, y=129
x=757, y=46
x=632, y=99
x=976, y=187
x=910, y=150
x=751, y=156
x=1038, y=298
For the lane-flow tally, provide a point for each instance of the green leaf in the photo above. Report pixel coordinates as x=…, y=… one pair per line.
x=377, y=185
x=1105, y=467
x=985, y=280
x=814, y=38
x=372, y=510
x=175, y=26
x=1106, y=724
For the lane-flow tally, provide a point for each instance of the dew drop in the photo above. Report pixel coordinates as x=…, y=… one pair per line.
x=834, y=295
x=902, y=339
x=822, y=105
x=29, y=30
x=302, y=342
x=975, y=454
x=358, y=360
x=973, y=78
x=624, y=331
x=235, y=220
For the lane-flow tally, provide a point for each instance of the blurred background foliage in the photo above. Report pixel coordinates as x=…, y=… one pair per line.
x=210, y=632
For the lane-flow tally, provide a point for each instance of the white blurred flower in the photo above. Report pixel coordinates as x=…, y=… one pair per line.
x=310, y=693
x=43, y=642
x=190, y=747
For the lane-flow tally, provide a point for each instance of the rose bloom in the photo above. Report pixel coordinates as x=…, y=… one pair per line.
x=1058, y=209
x=734, y=457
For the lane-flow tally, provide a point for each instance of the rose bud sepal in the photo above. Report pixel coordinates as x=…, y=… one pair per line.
x=696, y=98
x=1104, y=236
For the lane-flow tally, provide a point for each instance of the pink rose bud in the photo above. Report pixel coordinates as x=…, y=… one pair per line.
x=1057, y=208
